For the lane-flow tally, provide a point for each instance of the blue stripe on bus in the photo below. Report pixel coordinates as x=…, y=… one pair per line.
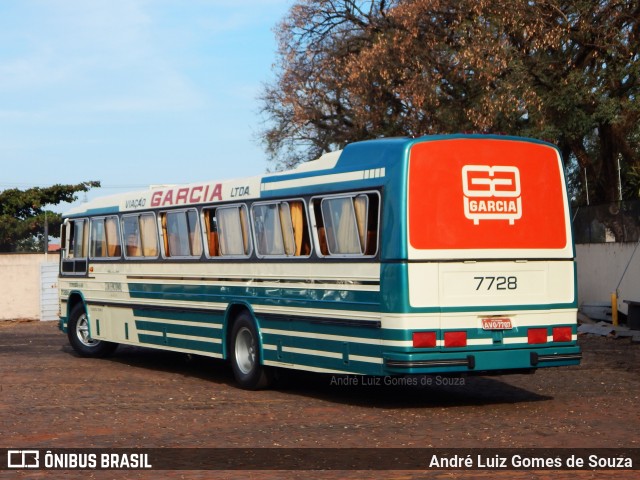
x=179, y=315
x=96, y=212
x=331, y=299
x=305, y=298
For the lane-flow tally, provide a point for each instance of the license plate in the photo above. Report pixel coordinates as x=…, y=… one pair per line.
x=497, y=323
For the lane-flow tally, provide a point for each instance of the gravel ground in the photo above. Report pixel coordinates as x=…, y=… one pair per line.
x=143, y=398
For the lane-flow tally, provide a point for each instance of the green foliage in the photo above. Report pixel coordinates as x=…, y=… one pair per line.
x=22, y=214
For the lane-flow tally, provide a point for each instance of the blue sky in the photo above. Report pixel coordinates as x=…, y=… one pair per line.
x=133, y=92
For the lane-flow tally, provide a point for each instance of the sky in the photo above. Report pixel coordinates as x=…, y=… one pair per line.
x=133, y=92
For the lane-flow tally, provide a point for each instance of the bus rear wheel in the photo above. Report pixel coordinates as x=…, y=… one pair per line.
x=80, y=339
x=246, y=363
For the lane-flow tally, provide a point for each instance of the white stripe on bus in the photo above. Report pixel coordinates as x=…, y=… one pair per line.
x=323, y=353
x=339, y=338
x=324, y=179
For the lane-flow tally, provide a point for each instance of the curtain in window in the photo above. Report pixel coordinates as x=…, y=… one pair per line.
x=289, y=243
x=230, y=229
x=149, y=234
x=195, y=239
x=244, y=226
x=131, y=229
x=113, y=238
x=269, y=229
x=273, y=230
x=341, y=229
x=297, y=223
x=361, y=207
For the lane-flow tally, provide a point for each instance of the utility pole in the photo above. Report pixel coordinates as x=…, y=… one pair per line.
x=46, y=236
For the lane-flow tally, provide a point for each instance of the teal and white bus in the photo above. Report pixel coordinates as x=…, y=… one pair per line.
x=440, y=254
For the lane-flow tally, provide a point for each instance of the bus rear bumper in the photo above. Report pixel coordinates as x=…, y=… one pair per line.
x=480, y=360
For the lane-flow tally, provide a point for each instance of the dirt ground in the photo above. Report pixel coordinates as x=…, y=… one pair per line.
x=143, y=398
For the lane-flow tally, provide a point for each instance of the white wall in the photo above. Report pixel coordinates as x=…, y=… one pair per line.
x=600, y=268
x=20, y=285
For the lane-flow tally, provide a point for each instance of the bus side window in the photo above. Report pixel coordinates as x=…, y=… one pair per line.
x=268, y=230
x=105, y=238
x=112, y=231
x=148, y=235
x=341, y=226
x=80, y=239
x=233, y=231
x=281, y=229
x=98, y=238
x=75, y=238
x=347, y=225
x=182, y=233
x=131, y=231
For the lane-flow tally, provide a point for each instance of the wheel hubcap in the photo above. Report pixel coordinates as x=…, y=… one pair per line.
x=245, y=351
x=82, y=331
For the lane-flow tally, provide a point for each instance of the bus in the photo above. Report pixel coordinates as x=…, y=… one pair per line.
x=404, y=256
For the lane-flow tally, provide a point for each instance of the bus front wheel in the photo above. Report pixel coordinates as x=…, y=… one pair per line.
x=80, y=339
x=245, y=355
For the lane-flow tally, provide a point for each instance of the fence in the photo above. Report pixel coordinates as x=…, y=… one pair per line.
x=611, y=222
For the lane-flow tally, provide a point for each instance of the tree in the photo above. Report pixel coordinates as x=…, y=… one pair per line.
x=564, y=71
x=22, y=214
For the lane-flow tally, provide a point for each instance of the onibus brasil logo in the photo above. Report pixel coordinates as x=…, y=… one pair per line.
x=491, y=193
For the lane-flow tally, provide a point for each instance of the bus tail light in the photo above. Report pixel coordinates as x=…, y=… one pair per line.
x=562, y=334
x=537, y=335
x=424, y=339
x=455, y=339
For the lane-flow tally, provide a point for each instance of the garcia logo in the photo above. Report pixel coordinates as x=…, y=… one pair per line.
x=491, y=193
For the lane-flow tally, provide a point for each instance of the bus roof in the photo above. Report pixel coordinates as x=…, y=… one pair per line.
x=360, y=165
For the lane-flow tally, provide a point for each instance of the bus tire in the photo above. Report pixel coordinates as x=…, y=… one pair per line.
x=78, y=333
x=246, y=363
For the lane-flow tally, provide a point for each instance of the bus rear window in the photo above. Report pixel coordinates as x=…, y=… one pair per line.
x=476, y=193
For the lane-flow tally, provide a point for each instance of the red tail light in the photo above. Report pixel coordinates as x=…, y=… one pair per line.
x=562, y=334
x=455, y=339
x=424, y=339
x=537, y=335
